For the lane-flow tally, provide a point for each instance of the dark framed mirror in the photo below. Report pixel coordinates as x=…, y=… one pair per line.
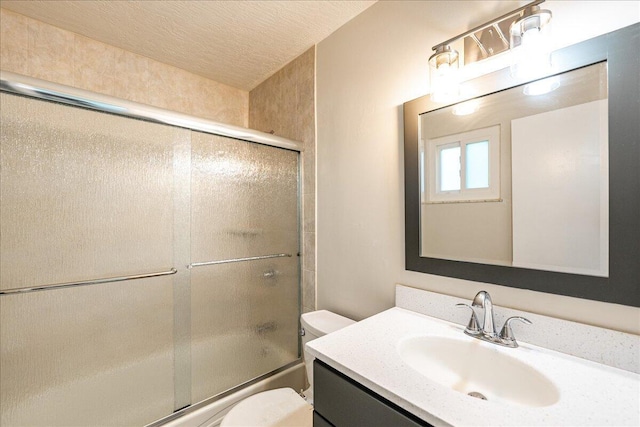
x=615, y=64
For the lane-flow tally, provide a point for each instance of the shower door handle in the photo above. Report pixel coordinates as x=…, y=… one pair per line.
x=86, y=282
x=227, y=261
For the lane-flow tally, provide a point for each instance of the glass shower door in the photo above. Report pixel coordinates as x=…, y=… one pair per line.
x=84, y=195
x=244, y=252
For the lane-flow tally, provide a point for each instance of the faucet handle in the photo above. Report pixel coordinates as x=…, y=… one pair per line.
x=506, y=334
x=472, y=328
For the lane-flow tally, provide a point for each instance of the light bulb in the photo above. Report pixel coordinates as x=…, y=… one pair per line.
x=531, y=56
x=443, y=68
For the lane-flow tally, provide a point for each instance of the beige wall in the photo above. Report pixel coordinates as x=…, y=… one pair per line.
x=284, y=104
x=365, y=72
x=36, y=49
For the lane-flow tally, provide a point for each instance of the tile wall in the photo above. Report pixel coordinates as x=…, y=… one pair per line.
x=40, y=50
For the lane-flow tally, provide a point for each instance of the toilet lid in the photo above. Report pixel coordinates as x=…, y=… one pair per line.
x=281, y=407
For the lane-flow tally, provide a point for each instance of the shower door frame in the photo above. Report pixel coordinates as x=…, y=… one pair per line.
x=41, y=89
x=34, y=88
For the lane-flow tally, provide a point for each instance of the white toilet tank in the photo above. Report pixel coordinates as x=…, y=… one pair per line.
x=317, y=324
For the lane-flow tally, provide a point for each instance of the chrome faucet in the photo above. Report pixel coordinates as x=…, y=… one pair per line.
x=483, y=300
x=488, y=331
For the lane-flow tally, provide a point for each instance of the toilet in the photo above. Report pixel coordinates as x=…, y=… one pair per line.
x=284, y=407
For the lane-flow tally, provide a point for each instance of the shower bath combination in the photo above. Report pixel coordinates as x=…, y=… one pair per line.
x=149, y=260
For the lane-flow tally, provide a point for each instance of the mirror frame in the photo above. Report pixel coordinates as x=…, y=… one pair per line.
x=620, y=50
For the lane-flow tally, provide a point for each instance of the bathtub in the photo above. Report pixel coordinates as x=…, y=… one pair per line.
x=210, y=415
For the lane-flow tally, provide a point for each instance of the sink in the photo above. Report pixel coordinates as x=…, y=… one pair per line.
x=479, y=370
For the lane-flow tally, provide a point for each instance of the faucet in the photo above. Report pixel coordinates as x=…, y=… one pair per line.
x=488, y=331
x=483, y=300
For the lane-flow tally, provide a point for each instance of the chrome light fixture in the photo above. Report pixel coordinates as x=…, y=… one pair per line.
x=523, y=31
x=443, y=69
x=531, y=56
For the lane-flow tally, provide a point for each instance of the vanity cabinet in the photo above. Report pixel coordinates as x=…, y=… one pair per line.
x=340, y=401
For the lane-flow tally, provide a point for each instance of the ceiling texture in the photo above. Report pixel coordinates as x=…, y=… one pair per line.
x=238, y=43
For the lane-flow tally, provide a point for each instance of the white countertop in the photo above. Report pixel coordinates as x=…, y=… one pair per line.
x=590, y=393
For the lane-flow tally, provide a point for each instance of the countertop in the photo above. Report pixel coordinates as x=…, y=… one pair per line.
x=590, y=393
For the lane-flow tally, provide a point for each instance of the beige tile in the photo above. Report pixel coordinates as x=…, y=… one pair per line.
x=202, y=94
x=14, y=60
x=309, y=252
x=50, y=53
x=94, y=65
x=186, y=87
x=309, y=155
x=305, y=111
x=161, y=85
x=222, y=103
x=14, y=42
x=285, y=102
x=272, y=102
x=131, y=76
x=308, y=176
x=13, y=28
x=309, y=289
x=309, y=213
x=167, y=88
x=260, y=111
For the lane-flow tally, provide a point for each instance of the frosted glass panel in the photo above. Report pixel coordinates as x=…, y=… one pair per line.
x=87, y=356
x=244, y=199
x=244, y=322
x=84, y=194
x=244, y=315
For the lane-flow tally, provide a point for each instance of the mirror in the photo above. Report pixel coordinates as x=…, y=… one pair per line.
x=560, y=221
x=519, y=177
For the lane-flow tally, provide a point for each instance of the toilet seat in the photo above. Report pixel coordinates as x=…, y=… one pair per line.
x=282, y=407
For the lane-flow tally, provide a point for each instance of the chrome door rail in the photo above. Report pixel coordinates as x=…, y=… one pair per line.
x=86, y=282
x=227, y=261
x=40, y=89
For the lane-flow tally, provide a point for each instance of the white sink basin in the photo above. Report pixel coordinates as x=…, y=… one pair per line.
x=478, y=369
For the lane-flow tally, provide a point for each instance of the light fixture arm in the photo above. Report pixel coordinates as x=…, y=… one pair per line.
x=488, y=24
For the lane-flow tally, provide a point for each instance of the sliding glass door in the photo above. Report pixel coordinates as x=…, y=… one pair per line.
x=143, y=267
x=244, y=246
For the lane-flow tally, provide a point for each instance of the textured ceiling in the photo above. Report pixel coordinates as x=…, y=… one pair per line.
x=238, y=43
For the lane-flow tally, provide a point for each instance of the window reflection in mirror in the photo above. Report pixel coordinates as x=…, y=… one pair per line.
x=522, y=179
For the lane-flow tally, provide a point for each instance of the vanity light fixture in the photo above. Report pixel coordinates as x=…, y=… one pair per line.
x=443, y=69
x=523, y=31
x=529, y=40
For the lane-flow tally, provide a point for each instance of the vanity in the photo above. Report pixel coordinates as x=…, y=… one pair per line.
x=341, y=401
x=406, y=368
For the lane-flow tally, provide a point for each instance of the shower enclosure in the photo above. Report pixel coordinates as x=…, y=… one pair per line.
x=148, y=260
